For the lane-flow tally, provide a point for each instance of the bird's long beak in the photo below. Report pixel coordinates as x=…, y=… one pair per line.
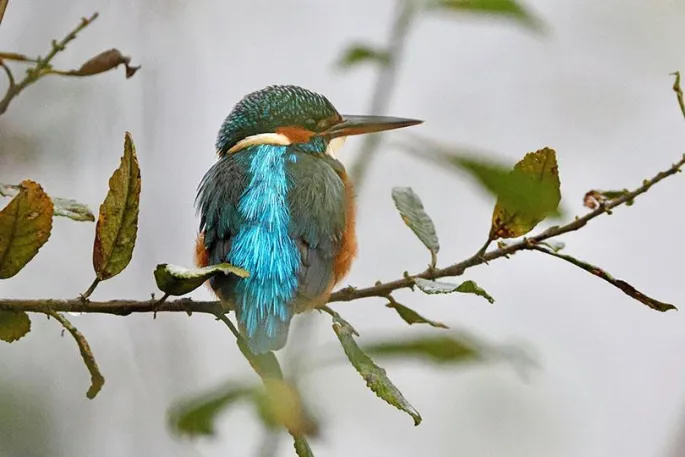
x=358, y=125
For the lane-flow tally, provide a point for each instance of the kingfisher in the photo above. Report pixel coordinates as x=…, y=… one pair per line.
x=279, y=204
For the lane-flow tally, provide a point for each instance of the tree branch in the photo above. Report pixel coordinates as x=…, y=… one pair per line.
x=125, y=307
x=385, y=85
x=42, y=66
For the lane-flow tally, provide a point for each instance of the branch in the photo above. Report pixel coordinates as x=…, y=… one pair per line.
x=125, y=307
x=42, y=66
x=382, y=93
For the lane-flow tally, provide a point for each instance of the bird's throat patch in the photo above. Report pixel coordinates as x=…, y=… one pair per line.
x=278, y=139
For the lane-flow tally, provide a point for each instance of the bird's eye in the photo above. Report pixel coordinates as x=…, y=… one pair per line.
x=310, y=123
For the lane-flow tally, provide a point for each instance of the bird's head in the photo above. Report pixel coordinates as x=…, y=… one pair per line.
x=285, y=115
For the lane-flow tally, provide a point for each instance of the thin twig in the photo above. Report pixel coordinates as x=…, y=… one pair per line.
x=622, y=285
x=8, y=72
x=42, y=66
x=385, y=85
x=678, y=92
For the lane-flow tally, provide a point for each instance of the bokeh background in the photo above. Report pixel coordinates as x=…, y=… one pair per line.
x=595, y=86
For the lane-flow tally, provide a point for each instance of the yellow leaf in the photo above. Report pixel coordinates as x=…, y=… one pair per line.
x=117, y=226
x=13, y=325
x=25, y=226
x=281, y=403
x=533, y=194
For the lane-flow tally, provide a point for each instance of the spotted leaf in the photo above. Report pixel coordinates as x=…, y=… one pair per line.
x=117, y=226
x=25, y=226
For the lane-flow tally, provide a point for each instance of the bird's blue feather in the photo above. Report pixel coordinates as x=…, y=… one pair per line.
x=262, y=246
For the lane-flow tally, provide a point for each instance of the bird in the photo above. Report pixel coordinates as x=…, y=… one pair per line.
x=278, y=203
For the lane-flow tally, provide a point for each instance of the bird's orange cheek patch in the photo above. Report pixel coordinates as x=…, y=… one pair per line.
x=295, y=134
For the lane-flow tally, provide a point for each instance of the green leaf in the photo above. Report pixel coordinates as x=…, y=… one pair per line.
x=375, y=376
x=470, y=287
x=302, y=446
x=360, y=53
x=196, y=416
x=412, y=317
x=504, y=8
x=63, y=207
x=14, y=325
x=175, y=280
x=439, y=349
x=439, y=287
x=25, y=226
x=117, y=225
x=413, y=214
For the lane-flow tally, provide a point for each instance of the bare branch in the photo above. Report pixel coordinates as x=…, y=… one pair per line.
x=385, y=84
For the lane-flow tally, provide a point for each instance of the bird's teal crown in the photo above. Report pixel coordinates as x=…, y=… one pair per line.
x=265, y=110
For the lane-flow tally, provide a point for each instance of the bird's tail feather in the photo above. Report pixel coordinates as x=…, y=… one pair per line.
x=271, y=334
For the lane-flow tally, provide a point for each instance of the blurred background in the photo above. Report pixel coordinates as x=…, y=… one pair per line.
x=594, y=85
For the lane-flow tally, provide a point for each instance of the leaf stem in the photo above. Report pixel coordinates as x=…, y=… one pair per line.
x=91, y=289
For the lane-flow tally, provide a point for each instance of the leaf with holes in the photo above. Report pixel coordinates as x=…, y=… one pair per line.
x=14, y=325
x=413, y=214
x=439, y=287
x=361, y=53
x=412, y=317
x=175, y=280
x=197, y=416
x=375, y=376
x=25, y=226
x=511, y=9
x=117, y=226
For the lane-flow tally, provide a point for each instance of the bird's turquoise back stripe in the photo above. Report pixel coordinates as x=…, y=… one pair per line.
x=262, y=245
